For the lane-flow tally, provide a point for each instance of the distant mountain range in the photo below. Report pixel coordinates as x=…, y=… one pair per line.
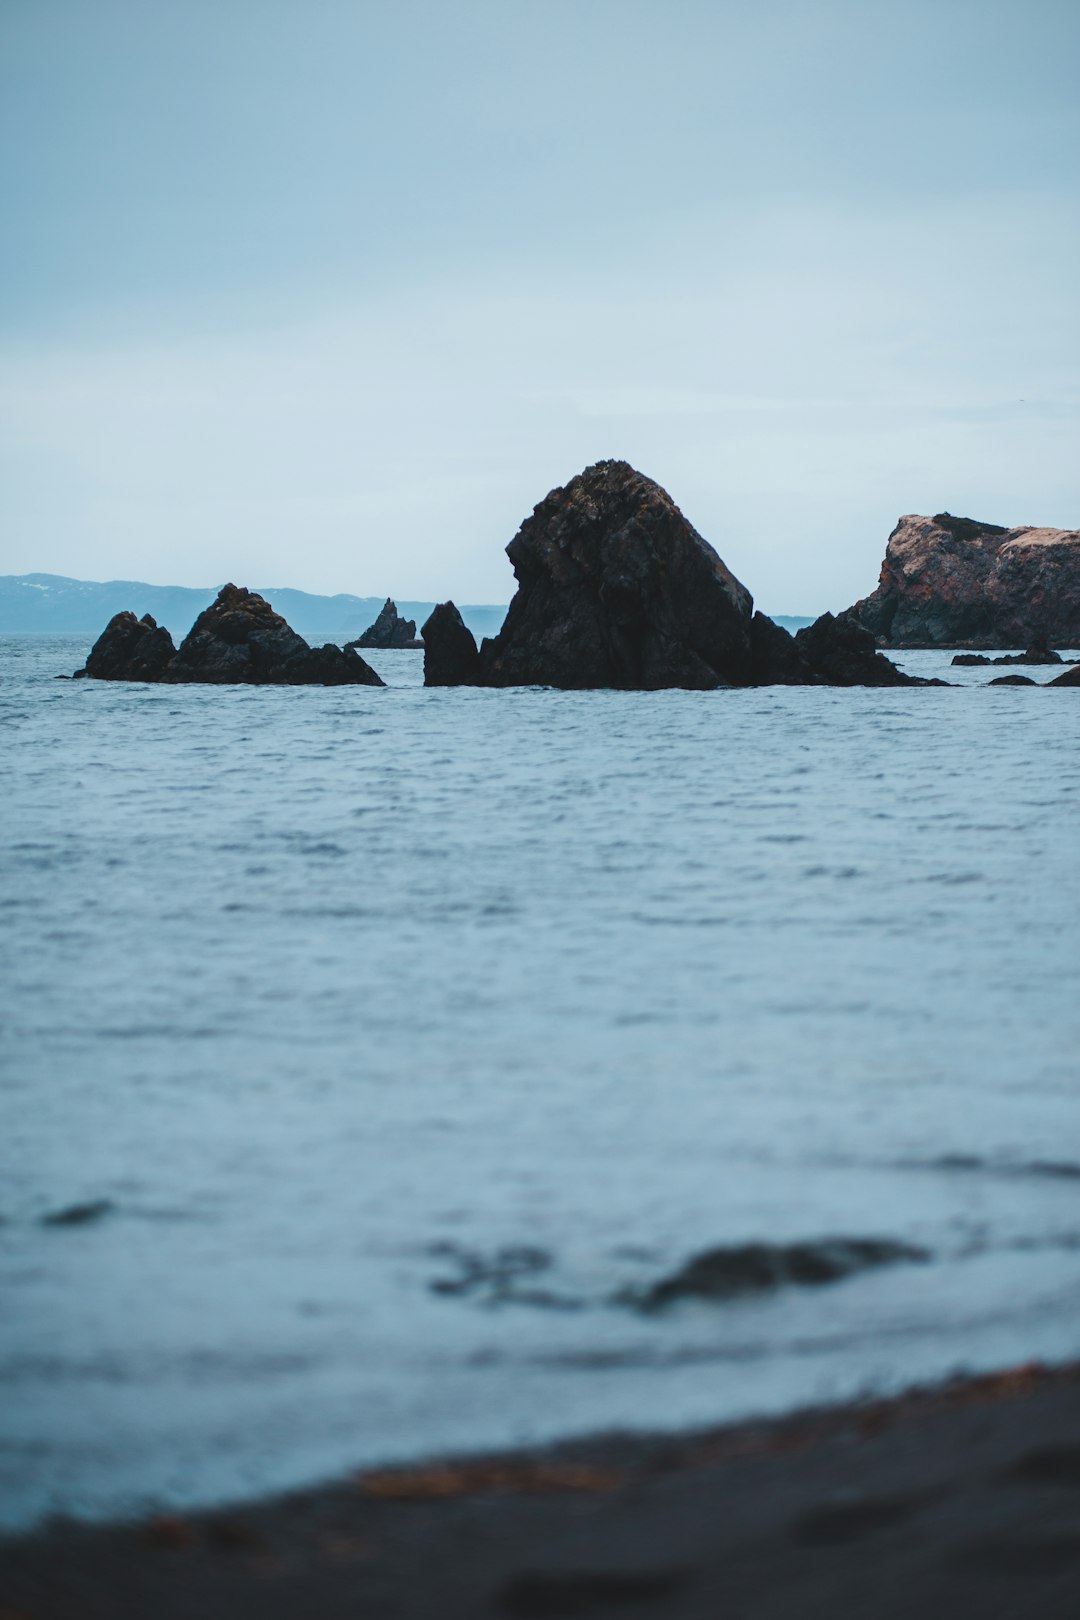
x=52, y=602
x=83, y=607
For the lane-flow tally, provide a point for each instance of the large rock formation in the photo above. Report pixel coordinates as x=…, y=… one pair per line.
x=238, y=639
x=390, y=630
x=616, y=589
x=949, y=581
x=450, y=653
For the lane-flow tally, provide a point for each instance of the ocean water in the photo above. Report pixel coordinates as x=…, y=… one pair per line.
x=365, y=1053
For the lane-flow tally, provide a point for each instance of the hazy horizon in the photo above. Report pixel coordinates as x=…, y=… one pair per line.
x=335, y=296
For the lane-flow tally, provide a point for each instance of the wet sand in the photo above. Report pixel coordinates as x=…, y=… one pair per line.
x=960, y=1501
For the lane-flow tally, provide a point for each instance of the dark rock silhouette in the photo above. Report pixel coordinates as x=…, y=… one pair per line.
x=237, y=639
x=1071, y=677
x=451, y=657
x=129, y=649
x=616, y=589
x=949, y=581
x=1012, y=680
x=842, y=653
x=389, y=630
x=775, y=658
x=755, y=1268
x=1037, y=653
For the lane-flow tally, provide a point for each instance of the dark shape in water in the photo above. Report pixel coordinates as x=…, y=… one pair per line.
x=844, y=654
x=776, y=659
x=390, y=630
x=500, y=1278
x=617, y=590
x=450, y=653
x=756, y=1268
x=543, y=1596
x=129, y=649
x=1071, y=677
x=238, y=639
x=1013, y=680
x=79, y=1214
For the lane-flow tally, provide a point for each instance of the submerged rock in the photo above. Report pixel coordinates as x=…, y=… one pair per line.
x=617, y=590
x=390, y=630
x=451, y=657
x=237, y=639
x=947, y=580
x=79, y=1214
x=756, y=1268
x=129, y=649
x=842, y=653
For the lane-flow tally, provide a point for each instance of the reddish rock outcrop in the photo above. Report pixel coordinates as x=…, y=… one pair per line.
x=238, y=639
x=949, y=581
x=617, y=590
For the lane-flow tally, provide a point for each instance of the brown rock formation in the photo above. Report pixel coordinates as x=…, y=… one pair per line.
x=237, y=639
x=842, y=653
x=949, y=581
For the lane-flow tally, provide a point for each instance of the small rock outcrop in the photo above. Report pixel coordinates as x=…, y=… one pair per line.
x=617, y=590
x=775, y=658
x=390, y=630
x=842, y=653
x=129, y=649
x=237, y=639
x=949, y=581
x=1071, y=677
x=1037, y=653
x=451, y=657
x=1012, y=680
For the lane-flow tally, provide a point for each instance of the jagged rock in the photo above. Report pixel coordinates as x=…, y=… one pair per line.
x=775, y=659
x=129, y=649
x=238, y=638
x=390, y=630
x=842, y=653
x=451, y=657
x=616, y=589
x=1071, y=677
x=972, y=660
x=1012, y=680
x=949, y=581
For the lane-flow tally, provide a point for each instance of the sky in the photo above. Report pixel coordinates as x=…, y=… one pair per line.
x=329, y=295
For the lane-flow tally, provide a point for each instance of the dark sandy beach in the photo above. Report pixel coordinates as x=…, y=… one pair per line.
x=960, y=1501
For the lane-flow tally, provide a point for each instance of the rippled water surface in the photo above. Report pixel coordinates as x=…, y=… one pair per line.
x=366, y=1053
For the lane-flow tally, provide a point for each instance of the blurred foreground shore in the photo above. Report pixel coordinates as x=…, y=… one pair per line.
x=963, y=1499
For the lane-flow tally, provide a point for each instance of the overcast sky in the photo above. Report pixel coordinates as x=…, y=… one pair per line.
x=329, y=293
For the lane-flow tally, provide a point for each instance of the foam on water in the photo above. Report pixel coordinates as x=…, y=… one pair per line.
x=315, y=1001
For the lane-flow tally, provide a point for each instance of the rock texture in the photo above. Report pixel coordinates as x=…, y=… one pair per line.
x=1071, y=677
x=130, y=649
x=237, y=639
x=949, y=581
x=775, y=658
x=390, y=630
x=451, y=657
x=616, y=589
x=842, y=653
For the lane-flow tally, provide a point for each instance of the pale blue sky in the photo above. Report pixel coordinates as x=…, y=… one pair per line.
x=331, y=294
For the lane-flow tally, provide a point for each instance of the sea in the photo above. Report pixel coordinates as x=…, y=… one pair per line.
x=377, y=1064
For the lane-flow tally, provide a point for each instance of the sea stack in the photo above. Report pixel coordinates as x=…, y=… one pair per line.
x=390, y=631
x=949, y=581
x=238, y=639
x=617, y=590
